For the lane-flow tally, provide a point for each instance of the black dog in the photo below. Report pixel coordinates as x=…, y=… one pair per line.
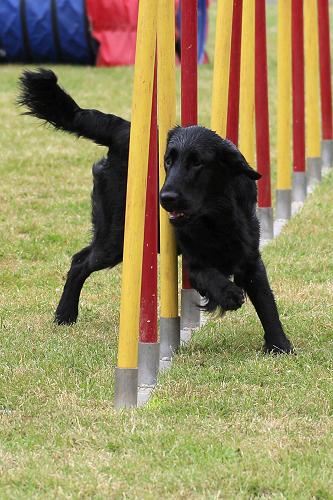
x=209, y=192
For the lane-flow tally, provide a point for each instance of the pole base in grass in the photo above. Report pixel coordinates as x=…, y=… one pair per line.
x=190, y=308
x=313, y=168
x=327, y=155
x=148, y=363
x=299, y=187
x=283, y=204
x=283, y=209
x=265, y=216
x=126, y=388
x=169, y=337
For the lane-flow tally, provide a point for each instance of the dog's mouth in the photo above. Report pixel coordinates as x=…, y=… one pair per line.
x=178, y=217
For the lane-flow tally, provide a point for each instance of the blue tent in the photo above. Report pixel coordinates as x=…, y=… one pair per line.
x=45, y=31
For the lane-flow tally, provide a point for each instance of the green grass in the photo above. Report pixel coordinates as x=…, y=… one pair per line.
x=226, y=421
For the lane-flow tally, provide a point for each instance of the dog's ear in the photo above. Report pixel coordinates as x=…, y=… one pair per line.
x=242, y=167
x=236, y=162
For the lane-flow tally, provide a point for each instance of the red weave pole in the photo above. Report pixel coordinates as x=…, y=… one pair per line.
x=189, y=65
x=298, y=85
x=325, y=69
x=148, y=311
x=261, y=105
x=234, y=74
x=189, y=74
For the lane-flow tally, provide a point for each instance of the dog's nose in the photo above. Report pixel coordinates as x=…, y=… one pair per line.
x=169, y=199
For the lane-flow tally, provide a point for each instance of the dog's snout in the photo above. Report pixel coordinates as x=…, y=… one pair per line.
x=169, y=199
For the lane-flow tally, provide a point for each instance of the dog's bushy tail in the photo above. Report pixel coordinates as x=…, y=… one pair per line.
x=46, y=100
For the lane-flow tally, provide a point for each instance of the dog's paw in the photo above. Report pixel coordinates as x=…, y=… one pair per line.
x=232, y=298
x=282, y=346
x=65, y=317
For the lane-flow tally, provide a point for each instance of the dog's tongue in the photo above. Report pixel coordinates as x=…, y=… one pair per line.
x=175, y=215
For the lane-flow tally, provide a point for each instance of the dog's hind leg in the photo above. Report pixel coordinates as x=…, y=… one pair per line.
x=84, y=263
x=256, y=285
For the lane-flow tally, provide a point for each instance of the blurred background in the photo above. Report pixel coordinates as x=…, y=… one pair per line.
x=93, y=32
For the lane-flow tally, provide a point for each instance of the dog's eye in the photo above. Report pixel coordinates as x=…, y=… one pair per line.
x=167, y=162
x=196, y=164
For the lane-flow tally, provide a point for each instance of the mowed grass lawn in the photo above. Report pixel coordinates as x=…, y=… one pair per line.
x=225, y=421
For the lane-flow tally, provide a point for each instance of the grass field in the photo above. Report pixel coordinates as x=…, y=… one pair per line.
x=226, y=421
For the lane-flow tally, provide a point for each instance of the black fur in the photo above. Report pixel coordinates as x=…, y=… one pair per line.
x=209, y=191
x=46, y=100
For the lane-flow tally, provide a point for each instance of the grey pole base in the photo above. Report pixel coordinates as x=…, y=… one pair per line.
x=313, y=166
x=265, y=216
x=283, y=209
x=126, y=388
x=169, y=337
x=148, y=363
x=190, y=308
x=299, y=187
x=326, y=155
x=283, y=204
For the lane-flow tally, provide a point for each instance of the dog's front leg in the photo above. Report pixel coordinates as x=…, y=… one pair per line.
x=217, y=288
x=256, y=285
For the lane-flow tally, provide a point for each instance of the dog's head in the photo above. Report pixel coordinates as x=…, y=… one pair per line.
x=199, y=166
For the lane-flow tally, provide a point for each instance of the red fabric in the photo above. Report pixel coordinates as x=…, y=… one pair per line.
x=114, y=26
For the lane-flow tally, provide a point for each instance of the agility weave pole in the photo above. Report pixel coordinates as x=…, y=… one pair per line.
x=298, y=98
x=299, y=51
x=126, y=382
x=148, y=339
x=221, y=67
x=246, y=139
x=325, y=85
x=283, y=149
x=234, y=72
x=300, y=56
x=190, y=299
x=128, y=377
x=265, y=211
x=166, y=98
x=312, y=102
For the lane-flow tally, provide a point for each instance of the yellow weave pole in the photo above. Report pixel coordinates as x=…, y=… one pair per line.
x=284, y=158
x=126, y=373
x=247, y=96
x=312, y=92
x=166, y=101
x=221, y=66
x=284, y=95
